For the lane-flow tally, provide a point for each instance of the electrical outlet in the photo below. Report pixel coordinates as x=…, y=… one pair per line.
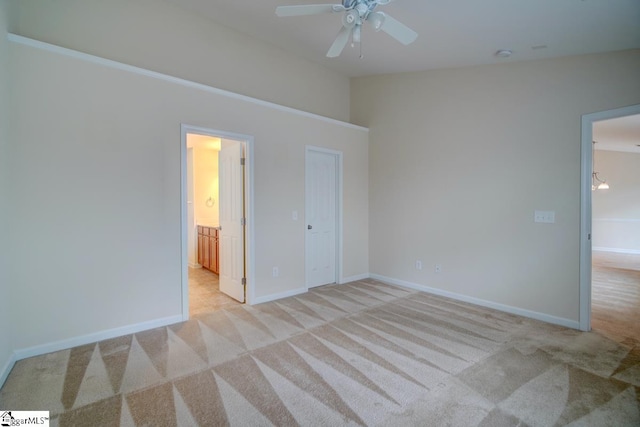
x=438, y=268
x=294, y=215
x=275, y=272
x=418, y=265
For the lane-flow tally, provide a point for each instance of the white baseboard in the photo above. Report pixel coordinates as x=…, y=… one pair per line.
x=281, y=295
x=483, y=303
x=90, y=338
x=4, y=372
x=353, y=278
x=616, y=250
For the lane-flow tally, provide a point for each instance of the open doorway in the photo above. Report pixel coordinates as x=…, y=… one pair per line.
x=215, y=230
x=615, y=279
x=610, y=217
x=203, y=225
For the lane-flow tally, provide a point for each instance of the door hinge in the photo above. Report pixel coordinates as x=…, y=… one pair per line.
x=243, y=221
x=244, y=281
x=242, y=161
x=589, y=236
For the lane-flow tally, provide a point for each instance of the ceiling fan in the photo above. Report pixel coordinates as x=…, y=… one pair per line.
x=355, y=13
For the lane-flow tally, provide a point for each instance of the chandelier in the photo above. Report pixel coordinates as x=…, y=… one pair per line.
x=596, y=182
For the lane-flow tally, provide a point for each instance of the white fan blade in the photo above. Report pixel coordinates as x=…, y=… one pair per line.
x=340, y=42
x=308, y=9
x=398, y=30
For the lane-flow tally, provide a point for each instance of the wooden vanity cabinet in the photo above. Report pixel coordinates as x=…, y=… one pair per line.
x=208, y=248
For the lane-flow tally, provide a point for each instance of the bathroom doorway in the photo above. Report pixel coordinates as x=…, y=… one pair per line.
x=215, y=203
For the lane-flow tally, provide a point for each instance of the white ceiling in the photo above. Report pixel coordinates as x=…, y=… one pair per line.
x=452, y=33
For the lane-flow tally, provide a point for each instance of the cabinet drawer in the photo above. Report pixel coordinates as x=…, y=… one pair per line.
x=207, y=231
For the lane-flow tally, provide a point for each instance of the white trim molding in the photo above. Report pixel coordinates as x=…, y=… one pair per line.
x=94, y=338
x=616, y=219
x=616, y=250
x=483, y=303
x=274, y=297
x=15, y=38
x=355, y=278
x=6, y=369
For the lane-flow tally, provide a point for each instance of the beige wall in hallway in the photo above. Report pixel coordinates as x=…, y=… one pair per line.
x=205, y=165
x=616, y=211
x=461, y=158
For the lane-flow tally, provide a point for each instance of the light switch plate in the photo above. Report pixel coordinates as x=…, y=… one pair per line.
x=547, y=217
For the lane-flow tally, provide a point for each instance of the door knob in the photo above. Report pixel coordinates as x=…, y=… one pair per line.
x=309, y=227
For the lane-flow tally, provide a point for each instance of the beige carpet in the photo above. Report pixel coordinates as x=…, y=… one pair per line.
x=365, y=353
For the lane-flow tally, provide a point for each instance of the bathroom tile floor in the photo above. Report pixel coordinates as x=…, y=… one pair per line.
x=204, y=292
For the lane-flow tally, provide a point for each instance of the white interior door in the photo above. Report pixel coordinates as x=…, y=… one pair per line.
x=192, y=235
x=320, y=213
x=231, y=235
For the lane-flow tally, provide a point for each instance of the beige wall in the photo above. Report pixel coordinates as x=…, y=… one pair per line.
x=205, y=165
x=160, y=36
x=616, y=211
x=461, y=158
x=6, y=296
x=95, y=165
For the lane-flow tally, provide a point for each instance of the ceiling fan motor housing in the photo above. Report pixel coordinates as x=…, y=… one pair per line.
x=350, y=19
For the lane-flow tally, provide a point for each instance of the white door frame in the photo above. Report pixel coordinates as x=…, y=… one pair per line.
x=247, y=141
x=586, y=205
x=339, y=179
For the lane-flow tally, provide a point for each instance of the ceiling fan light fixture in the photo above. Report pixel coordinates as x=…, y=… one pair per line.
x=350, y=19
x=596, y=182
x=356, y=34
x=377, y=20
